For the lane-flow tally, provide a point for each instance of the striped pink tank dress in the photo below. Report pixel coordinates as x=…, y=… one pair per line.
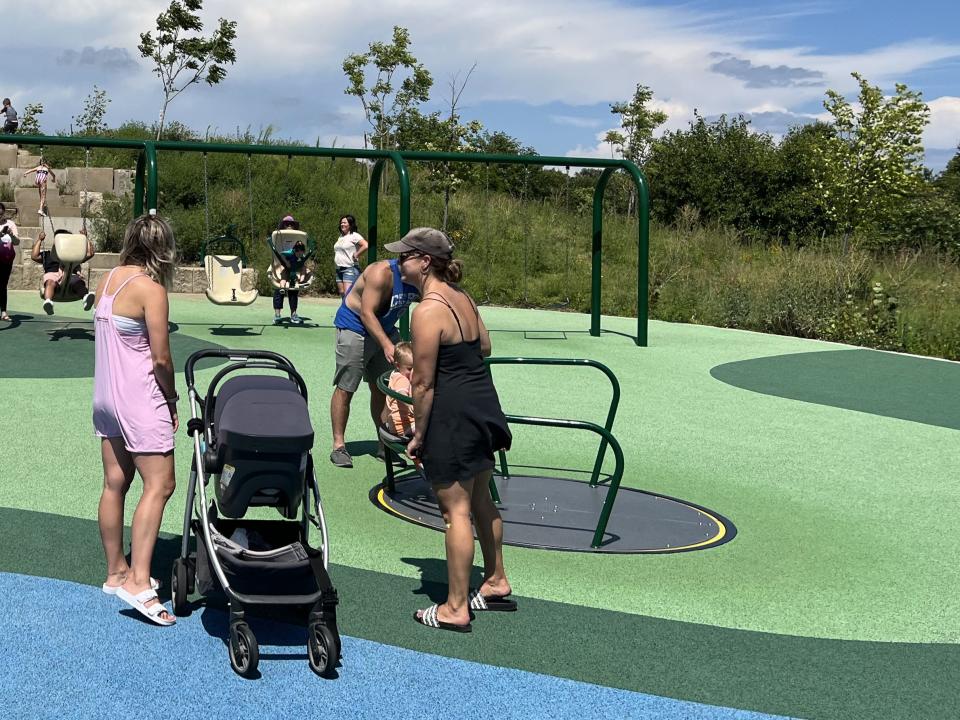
x=127, y=400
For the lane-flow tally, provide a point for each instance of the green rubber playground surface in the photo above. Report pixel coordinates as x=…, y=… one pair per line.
x=838, y=597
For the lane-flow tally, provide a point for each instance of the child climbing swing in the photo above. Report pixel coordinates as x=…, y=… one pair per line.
x=42, y=171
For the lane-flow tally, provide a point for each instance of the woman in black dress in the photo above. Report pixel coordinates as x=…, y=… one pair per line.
x=459, y=425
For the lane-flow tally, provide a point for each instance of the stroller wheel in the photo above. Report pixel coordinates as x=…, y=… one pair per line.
x=244, y=651
x=180, y=587
x=321, y=649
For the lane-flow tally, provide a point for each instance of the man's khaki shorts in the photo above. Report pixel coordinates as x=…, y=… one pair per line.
x=359, y=358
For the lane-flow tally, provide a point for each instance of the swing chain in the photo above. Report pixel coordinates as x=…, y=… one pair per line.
x=250, y=199
x=84, y=196
x=206, y=201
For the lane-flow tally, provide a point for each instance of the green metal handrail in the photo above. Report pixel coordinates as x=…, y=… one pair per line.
x=605, y=432
x=146, y=192
x=608, y=438
x=581, y=362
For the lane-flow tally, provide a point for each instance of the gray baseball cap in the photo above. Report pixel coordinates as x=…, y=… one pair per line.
x=429, y=241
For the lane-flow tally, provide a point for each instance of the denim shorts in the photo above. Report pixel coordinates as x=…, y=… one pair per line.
x=348, y=274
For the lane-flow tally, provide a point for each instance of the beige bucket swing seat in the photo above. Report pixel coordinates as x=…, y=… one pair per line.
x=70, y=250
x=225, y=276
x=284, y=240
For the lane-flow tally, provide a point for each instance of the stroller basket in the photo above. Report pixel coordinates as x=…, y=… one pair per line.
x=284, y=569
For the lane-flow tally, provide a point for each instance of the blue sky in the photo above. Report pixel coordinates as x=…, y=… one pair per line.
x=546, y=73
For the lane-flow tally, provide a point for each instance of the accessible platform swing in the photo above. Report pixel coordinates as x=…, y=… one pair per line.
x=559, y=513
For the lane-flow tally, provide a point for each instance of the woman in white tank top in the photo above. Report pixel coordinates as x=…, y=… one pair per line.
x=347, y=251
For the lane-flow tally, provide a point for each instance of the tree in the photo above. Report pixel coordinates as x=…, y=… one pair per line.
x=795, y=211
x=386, y=106
x=876, y=157
x=948, y=182
x=721, y=168
x=444, y=134
x=637, y=123
x=30, y=121
x=175, y=52
x=90, y=120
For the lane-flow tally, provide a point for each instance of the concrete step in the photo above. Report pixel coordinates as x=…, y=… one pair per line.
x=19, y=177
x=26, y=160
x=8, y=156
x=30, y=196
x=94, y=179
x=54, y=211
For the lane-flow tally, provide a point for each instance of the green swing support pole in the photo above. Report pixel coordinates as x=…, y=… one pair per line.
x=150, y=156
x=373, y=205
x=138, y=183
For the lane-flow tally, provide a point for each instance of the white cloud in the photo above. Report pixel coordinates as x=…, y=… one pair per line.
x=944, y=128
x=575, y=52
x=601, y=149
x=574, y=121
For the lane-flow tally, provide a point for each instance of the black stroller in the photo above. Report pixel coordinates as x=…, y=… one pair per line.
x=253, y=437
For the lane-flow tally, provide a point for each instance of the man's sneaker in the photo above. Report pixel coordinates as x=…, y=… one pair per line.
x=341, y=458
x=296, y=319
x=88, y=300
x=48, y=307
x=277, y=319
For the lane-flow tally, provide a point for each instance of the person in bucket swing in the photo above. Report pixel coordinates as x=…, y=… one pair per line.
x=452, y=389
x=135, y=407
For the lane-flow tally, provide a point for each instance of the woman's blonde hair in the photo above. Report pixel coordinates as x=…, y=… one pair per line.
x=148, y=241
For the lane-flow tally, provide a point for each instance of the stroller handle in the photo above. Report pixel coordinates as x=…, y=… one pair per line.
x=241, y=356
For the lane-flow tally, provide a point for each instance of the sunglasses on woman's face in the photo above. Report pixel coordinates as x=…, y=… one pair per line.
x=404, y=256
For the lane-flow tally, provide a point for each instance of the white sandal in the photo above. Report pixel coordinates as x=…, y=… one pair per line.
x=112, y=589
x=151, y=612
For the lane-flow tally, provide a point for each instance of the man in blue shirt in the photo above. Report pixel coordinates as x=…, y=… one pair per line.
x=366, y=333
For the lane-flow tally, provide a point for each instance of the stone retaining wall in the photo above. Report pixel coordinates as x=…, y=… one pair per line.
x=187, y=279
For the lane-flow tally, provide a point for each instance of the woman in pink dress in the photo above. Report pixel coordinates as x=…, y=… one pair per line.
x=134, y=407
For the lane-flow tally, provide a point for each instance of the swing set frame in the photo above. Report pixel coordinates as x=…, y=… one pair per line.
x=146, y=192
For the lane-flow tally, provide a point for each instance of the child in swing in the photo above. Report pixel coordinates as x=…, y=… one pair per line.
x=294, y=264
x=53, y=275
x=42, y=171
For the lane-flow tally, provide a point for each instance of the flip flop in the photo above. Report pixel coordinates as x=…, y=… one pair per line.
x=428, y=618
x=112, y=589
x=151, y=612
x=494, y=603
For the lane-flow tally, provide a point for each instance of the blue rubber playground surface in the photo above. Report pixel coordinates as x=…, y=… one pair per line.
x=838, y=595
